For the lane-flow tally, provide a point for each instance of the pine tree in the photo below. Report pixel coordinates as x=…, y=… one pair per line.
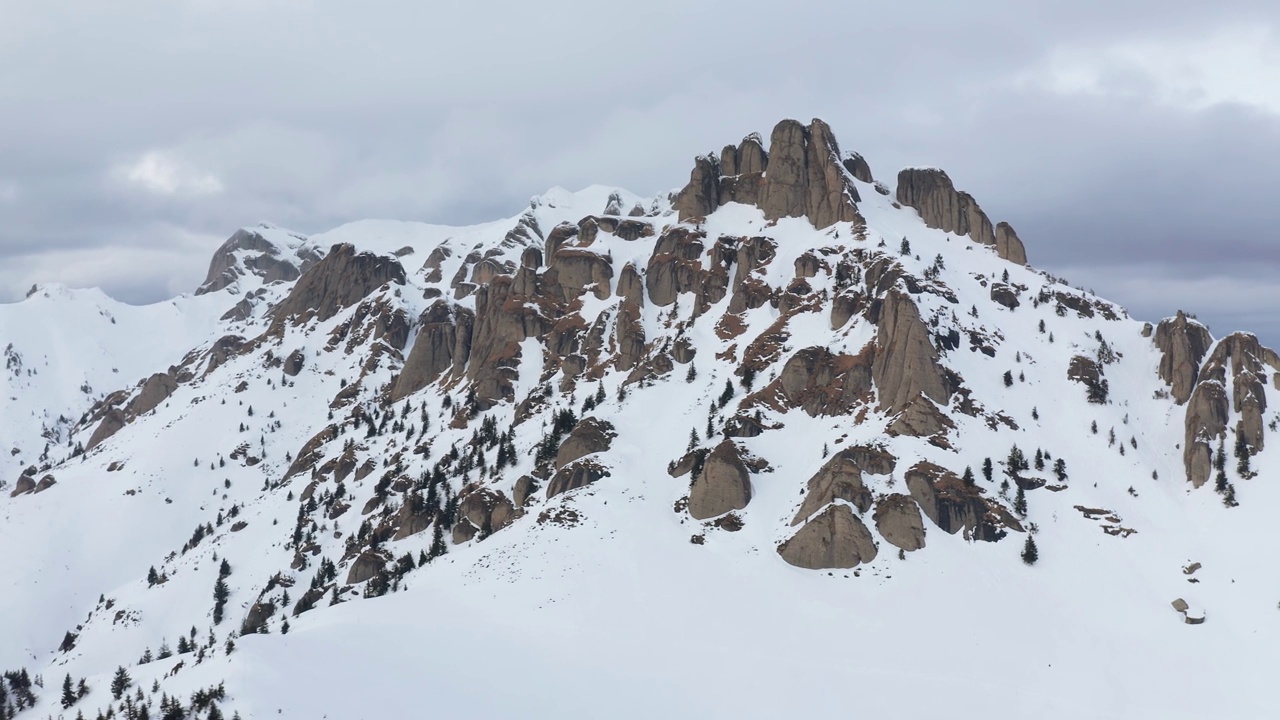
x=1020, y=502
x=986, y=469
x=1008, y=378
x=120, y=682
x=692, y=374
x=968, y=476
x=693, y=438
x=1060, y=469
x=727, y=395
x=1039, y=462
x=1030, y=554
x=904, y=248
x=68, y=693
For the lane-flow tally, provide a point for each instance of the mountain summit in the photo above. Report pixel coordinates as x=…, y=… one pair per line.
x=784, y=441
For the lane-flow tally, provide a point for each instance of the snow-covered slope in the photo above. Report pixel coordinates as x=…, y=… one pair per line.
x=693, y=456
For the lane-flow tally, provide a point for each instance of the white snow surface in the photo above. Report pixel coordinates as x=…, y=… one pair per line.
x=615, y=613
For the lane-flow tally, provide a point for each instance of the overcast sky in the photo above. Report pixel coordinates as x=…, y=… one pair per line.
x=1132, y=143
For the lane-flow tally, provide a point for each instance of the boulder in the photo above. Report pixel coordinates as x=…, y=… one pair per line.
x=1004, y=295
x=575, y=475
x=723, y=484
x=898, y=521
x=487, y=510
x=857, y=166
x=294, y=362
x=834, y=539
x=365, y=566
x=154, y=391
x=590, y=435
x=111, y=424
x=840, y=478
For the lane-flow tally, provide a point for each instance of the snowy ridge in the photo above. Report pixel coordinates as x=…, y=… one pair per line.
x=381, y=486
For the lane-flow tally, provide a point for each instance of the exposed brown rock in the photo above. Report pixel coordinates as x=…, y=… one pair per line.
x=1004, y=295
x=1008, y=246
x=525, y=487
x=590, y=435
x=834, y=539
x=154, y=391
x=342, y=279
x=898, y=521
x=921, y=418
x=824, y=384
x=857, y=166
x=433, y=349
x=574, y=270
x=1183, y=344
x=841, y=479
x=906, y=363
x=366, y=565
x=111, y=424
x=806, y=177
x=1209, y=406
x=723, y=485
x=294, y=362
x=1088, y=372
x=575, y=475
x=953, y=505
x=486, y=510
x=701, y=196
x=248, y=252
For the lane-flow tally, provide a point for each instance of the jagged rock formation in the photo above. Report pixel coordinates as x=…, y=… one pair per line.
x=1209, y=408
x=1183, y=343
x=806, y=177
x=906, y=369
x=284, y=257
x=342, y=279
x=931, y=192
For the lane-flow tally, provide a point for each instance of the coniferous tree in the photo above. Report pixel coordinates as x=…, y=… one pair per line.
x=968, y=476
x=1060, y=469
x=1008, y=378
x=68, y=693
x=1030, y=553
x=1039, y=462
x=692, y=374
x=905, y=247
x=1020, y=502
x=120, y=682
x=986, y=469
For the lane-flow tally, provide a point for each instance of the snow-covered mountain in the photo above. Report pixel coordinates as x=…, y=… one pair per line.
x=784, y=442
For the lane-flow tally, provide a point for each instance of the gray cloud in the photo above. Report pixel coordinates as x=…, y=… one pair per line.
x=1127, y=141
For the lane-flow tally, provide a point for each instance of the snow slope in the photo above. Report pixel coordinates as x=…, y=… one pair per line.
x=595, y=602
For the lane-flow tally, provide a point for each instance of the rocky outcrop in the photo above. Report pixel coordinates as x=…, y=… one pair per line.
x=481, y=513
x=807, y=177
x=111, y=424
x=590, y=435
x=898, y=521
x=906, y=363
x=1088, y=372
x=154, y=391
x=1183, y=343
x=575, y=475
x=822, y=383
x=722, y=485
x=365, y=566
x=834, y=539
x=1008, y=245
x=342, y=279
x=575, y=270
x=249, y=252
x=1208, y=409
x=433, y=350
x=932, y=194
x=841, y=479
x=953, y=505
x=701, y=196
x=857, y=166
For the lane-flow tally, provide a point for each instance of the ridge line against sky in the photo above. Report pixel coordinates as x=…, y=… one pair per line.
x=1130, y=143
